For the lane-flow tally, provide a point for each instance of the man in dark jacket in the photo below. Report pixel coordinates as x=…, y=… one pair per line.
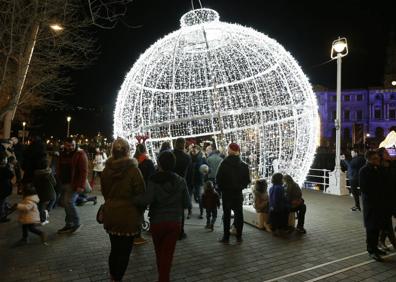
x=183, y=162
x=373, y=198
x=232, y=177
x=353, y=167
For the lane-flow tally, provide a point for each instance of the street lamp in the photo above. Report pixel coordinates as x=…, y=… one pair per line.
x=393, y=83
x=68, y=125
x=337, y=180
x=56, y=27
x=23, y=132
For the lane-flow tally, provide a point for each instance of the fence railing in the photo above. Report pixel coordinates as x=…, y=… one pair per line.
x=318, y=179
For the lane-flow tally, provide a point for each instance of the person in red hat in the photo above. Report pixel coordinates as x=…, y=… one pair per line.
x=232, y=177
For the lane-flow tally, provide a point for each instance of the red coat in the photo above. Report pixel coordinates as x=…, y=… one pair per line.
x=79, y=170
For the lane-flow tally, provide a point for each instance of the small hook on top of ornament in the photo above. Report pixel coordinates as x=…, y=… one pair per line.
x=199, y=16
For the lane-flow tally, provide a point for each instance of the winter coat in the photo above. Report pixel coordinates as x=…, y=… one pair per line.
x=183, y=162
x=194, y=176
x=33, y=154
x=45, y=183
x=79, y=169
x=261, y=201
x=167, y=196
x=353, y=168
x=28, y=211
x=146, y=167
x=6, y=175
x=232, y=176
x=99, y=162
x=389, y=178
x=214, y=161
x=278, y=201
x=210, y=200
x=371, y=184
x=121, y=184
x=294, y=195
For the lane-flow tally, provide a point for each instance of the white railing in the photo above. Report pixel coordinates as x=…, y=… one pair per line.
x=318, y=179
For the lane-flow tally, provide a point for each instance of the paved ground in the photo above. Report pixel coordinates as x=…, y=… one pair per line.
x=333, y=250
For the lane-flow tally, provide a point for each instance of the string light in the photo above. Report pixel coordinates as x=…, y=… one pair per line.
x=226, y=81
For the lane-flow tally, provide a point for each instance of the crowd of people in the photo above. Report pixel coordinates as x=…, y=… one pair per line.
x=182, y=174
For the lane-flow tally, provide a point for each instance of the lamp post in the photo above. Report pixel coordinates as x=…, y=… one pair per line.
x=23, y=132
x=337, y=179
x=68, y=125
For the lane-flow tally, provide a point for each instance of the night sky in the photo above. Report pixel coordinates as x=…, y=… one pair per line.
x=305, y=28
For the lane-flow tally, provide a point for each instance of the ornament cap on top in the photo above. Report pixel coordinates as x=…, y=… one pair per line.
x=199, y=16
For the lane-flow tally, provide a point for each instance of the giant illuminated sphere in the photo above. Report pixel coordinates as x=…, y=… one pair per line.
x=209, y=69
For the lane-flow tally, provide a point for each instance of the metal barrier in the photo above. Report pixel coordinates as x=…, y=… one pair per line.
x=318, y=179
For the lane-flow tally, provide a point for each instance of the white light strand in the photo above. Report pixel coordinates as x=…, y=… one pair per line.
x=266, y=102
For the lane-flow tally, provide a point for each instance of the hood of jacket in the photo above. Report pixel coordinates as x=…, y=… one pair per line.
x=34, y=198
x=167, y=180
x=234, y=161
x=117, y=167
x=43, y=171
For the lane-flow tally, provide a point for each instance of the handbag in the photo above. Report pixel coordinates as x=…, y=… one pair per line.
x=100, y=214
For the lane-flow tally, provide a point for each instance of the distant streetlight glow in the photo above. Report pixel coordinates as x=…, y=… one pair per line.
x=393, y=83
x=56, y=27
x=68, y=125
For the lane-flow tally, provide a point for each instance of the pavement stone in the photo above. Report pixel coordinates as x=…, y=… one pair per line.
x=334, y=232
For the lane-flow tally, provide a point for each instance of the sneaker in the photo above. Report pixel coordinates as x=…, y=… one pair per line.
x=224, y=241
x=376, y=257
x=44, y=223
x=182, y=236
x=380, y=252
x=356, y=209
x=44, y=238
x=66, y=229
x=75, y=228
x=383, y=247
x=139, y=241
x=46, y=215
x=301, y=230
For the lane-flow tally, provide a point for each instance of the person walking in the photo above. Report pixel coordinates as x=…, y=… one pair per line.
x=214, y=160
x=98, y=165
x=195, y=177
x=373, y=198
x=147, y=168
x=45, y=184
x=121, y=184
x=353, y=168
x=388, y=171
x=72, y=171
x=167, y=197
x=210, y=202
x=232, y=177
x=183, y=162
x=296, y=202
x=6, y=175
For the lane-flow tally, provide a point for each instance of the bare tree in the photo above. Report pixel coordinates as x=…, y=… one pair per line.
x=107, y=13
x=40, y=41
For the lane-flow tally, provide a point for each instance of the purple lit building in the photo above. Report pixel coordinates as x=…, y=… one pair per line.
x=365, y=113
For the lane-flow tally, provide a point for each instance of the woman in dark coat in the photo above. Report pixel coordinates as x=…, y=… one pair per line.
x=389, y=178
x=121, y=184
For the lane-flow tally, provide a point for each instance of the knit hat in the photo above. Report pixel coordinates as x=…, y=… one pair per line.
x=234, y=147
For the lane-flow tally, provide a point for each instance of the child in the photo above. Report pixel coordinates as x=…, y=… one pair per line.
x=261, y=203
x=45, y=183
x=210, y=202
x=29, y=215
x=278, y=205
x=6, y=175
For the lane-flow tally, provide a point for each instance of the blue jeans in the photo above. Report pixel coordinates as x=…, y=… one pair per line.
x=211, y=216
x=69, y=198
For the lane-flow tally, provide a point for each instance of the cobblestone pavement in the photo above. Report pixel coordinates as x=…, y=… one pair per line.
x=332, y=250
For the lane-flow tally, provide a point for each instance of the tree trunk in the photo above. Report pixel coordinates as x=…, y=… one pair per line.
x=7, y=120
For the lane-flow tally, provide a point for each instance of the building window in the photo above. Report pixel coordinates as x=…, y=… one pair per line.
x=359, y=97
x=333, y=98
x=359, y=115
x=393, y=97
x=347, y=115
x=347, y=98
x=378, y=97
x=392, y=114
x=377, y=114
